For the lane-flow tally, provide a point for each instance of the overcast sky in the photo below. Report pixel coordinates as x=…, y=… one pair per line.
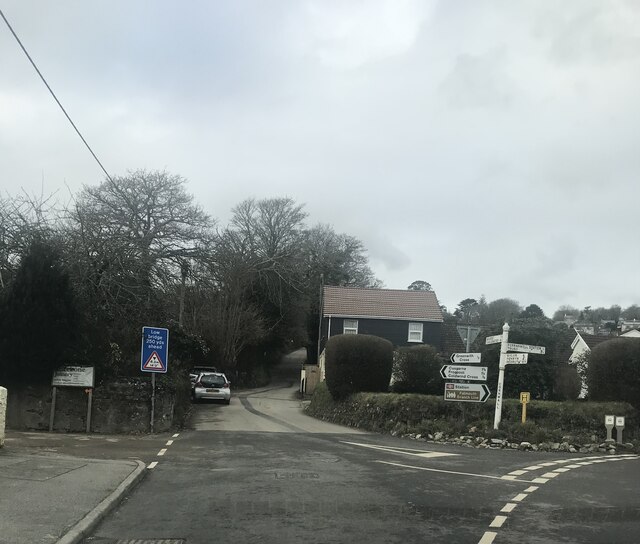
x=485, y=147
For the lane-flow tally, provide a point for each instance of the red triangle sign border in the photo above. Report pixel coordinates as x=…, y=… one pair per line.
x=154, y=362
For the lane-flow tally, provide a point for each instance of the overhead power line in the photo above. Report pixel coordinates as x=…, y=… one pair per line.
x=55, y=97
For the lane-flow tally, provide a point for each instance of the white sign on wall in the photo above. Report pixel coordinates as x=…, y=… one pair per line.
x=73, y=376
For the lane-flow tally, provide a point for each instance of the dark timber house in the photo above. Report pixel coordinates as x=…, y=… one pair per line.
x=405, y=318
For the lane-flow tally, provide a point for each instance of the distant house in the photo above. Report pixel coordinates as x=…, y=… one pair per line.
x=405, y=318
x=582, y=344
x=629, y=328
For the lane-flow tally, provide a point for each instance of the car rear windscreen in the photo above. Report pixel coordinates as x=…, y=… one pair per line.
x=212, y=381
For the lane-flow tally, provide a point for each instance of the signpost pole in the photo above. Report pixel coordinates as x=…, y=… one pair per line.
x=53, y=407
x=153, y=398
x=503, y=356
x=89, y=403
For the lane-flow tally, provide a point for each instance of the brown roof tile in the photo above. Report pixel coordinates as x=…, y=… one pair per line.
x=385, y=303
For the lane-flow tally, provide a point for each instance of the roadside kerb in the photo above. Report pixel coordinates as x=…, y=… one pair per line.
x=89, y=522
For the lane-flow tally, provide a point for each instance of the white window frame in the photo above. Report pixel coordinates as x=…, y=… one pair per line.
x=350, y=326
x=419, y=326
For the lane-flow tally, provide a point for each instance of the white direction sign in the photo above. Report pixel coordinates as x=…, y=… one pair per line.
x=462, y=372
x=466, y=392
x=516, y=358
x=526, y=348
x=493, y=339
x=466, y=357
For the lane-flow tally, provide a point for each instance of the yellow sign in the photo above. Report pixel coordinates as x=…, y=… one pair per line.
x=524, y=399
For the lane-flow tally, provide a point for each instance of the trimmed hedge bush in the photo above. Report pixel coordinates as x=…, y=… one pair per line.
x=613, y=373
x=547, y=421
x=416, y=369
x=357, y=362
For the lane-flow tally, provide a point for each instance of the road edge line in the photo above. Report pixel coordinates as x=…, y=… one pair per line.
x=83, y=527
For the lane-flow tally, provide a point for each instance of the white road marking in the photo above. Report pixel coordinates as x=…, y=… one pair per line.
x=446, y=471
x=176, y=435
x=162, y=452
x=488, y=537
x=403, y=451
x=152, y=465
x=169, y=442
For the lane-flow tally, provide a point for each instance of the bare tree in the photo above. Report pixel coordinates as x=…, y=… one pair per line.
x=132, y=236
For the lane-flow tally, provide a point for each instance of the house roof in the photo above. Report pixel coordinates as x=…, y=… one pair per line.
x=592, y=340
x=381, y=303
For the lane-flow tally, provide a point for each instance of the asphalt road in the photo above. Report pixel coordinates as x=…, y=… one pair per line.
x=259, y=470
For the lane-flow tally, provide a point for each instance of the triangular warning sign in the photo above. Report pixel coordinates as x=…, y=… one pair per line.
x=153, y=362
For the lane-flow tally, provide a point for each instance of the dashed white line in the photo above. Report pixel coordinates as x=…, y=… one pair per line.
x=162, y=452
x=176, y=435
x=152, y=465
x=488, y=537
x=169, y=442
x=498, y=521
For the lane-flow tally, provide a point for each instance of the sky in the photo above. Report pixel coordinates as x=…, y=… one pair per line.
x=487, y=147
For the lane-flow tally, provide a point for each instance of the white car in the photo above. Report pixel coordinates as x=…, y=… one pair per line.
x=211, y=386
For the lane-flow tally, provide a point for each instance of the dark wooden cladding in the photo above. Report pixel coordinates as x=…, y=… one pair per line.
x=396, y=331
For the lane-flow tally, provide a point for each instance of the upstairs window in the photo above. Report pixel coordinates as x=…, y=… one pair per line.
x=415, y=332
x=350, y=326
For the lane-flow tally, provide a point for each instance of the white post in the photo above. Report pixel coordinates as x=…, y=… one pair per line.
x=3, y=413
x=503, y=358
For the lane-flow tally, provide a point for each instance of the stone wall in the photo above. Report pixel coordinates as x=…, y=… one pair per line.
x=120, y=407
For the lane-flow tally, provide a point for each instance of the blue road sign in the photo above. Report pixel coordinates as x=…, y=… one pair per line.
x=155, y=349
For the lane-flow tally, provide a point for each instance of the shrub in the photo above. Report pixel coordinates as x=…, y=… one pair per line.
x=357, y=362
x=38, y=317
x=614, y=371
x=578, y=422
x=417, y=370
x=567, y=383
